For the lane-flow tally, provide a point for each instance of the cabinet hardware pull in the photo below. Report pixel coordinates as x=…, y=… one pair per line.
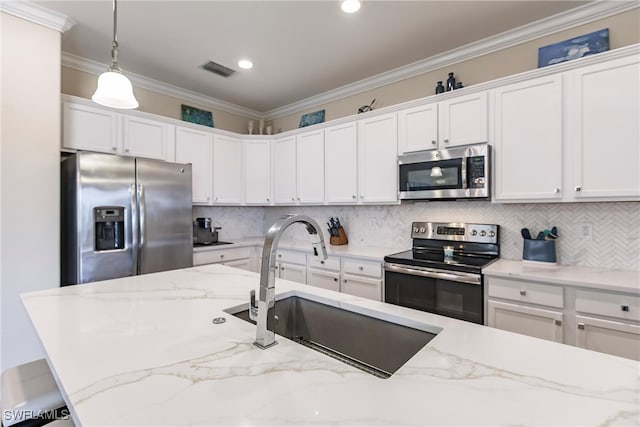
x=335, y=280
x=523, y=292
x=624, y=308
x=114, y=149
x=321, y=262
x=221, y=256
x=433, y=141
x=282, y=268
x=126, y=150
x=360, y=268
x=353, y=197
x=557, y=190
x=578, y=188
x=581, y=326
x=279, y=255
x=446, y=140
x=268, y=199
x=558, y=322
x=345, y=280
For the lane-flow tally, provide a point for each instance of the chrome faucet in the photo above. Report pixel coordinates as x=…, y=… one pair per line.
x=263, y=312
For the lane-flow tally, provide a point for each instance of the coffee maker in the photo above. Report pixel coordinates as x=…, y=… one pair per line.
x=202, y=232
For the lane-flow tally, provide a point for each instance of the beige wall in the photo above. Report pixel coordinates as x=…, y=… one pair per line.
x=29, y=178
x=79, y=83
x=624, y=29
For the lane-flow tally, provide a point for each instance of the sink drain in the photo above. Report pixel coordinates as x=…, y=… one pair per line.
x=219, y=320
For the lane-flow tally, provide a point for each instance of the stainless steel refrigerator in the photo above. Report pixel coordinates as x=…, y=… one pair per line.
x=123, y=216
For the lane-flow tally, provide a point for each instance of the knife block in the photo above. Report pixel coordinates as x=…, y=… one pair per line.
x=341, y=239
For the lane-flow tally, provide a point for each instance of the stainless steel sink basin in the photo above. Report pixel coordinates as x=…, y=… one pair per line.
x=377, y=346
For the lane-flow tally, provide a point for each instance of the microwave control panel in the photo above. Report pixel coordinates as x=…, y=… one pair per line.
x=476, y=172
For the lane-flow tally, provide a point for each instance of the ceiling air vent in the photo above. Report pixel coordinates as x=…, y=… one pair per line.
x=218, y=69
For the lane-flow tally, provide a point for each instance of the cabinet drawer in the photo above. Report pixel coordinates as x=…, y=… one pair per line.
x=331, y=263
x=293, y=257
x=606, y=304
x=361, y=267
x=220, y=255
x=362, y=287
x=323, y=279
x=530, y=292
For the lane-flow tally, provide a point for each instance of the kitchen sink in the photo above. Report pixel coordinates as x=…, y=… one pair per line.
x=374, y=345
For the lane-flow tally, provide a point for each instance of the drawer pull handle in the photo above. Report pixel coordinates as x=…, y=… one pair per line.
x=581, y=326
x=321, y=262
x=625, y=308
x=335, y=279
x=282, y=268
x=221, y=256
x=345, y=280
x=558, y=322
x=360, y=268
x=523, y=292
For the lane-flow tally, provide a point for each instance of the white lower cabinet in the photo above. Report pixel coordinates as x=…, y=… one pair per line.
x=532, y=321
x=234, y=257
x=294, y=272
x=604, y=321
x=324, y=279
x=362, y=278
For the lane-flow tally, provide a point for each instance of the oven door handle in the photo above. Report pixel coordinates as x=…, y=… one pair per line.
x=454, y=276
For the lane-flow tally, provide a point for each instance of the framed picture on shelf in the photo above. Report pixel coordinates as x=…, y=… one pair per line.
x=577, y=47
x=311, y=118
x=197, y=116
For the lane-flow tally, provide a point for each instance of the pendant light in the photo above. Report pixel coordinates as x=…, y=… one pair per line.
x=114, y=88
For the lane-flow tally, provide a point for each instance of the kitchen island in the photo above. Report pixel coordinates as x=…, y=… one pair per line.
x=143, y=350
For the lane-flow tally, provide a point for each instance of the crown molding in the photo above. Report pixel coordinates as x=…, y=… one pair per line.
x=37, y=14
x=553, y=24
x=94, y=67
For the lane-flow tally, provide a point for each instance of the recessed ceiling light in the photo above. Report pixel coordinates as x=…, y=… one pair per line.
x=350, y=6
x=245, y=63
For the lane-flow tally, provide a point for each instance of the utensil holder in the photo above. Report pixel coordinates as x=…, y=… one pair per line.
x=539, y=251
x=340, y=239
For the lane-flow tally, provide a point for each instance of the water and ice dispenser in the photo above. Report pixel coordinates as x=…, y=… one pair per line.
x=109, y=228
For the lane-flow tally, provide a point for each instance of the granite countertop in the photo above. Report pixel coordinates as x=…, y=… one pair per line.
x=366, y=252
x=143, y=351
x=587, y=277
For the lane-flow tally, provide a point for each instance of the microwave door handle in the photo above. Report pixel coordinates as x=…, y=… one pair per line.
x=453, y=276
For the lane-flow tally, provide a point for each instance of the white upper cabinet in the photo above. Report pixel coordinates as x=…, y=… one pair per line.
x=89, y=128
x=528, y=140
x=341, y=160
x=464, y=120
x=227, y=170
x=377, y=159
x=310, y=167
x=257, y=172
x=418, y=128
x=284, y=170
x=196, y=147
x=604, y=131
x=151, y=139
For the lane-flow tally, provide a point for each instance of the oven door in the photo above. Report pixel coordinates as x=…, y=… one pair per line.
x=448, y=293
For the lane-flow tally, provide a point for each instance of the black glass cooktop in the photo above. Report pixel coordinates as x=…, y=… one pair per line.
x=470, y=263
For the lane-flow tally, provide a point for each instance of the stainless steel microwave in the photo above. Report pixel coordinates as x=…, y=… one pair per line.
x=457, y=173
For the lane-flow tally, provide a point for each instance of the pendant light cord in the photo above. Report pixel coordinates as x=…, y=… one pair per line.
x=115, y=66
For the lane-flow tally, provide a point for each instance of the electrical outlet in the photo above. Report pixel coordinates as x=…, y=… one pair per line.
x=584, y=230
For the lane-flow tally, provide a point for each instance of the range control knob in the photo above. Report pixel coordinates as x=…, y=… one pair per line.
x=483, y=233
x=423, y=230
x=474, y=232
x=415, y=229
x=492, y=234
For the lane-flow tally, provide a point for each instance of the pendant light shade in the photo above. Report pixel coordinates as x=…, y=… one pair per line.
x=114, y=88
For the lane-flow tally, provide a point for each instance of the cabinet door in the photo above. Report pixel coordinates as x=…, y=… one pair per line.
x=341, y=163
x=227, y=170
x=418, y=128
x=464, y=120
x=604, y=121
x=196, y=147
x=88, y=128
x=310, y=167
x=535, y=322
x=362, y=287
x=284, y=170
x=147, y=138
x=528, y=140
x=293, y=272
x=617, y=338
x=323, y=279
x=378, y=159
x=243, y=264
x=257, y=172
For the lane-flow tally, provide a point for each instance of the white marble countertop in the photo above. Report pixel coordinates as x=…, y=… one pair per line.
x=597, y=278
x=143, y=351
x=366, y=252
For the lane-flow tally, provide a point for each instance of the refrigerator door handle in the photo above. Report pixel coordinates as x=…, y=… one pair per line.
x=141, y=215
x=134, y=228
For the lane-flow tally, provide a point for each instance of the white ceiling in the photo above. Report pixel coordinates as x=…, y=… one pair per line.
x=300, y=48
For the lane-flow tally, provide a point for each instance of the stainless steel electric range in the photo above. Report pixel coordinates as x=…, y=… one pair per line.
x=442, y=273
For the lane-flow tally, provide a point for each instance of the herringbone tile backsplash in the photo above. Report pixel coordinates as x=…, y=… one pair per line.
x=615, y=241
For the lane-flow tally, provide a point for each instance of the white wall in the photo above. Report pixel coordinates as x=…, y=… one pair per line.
x=615, y=242
x=29, y=178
